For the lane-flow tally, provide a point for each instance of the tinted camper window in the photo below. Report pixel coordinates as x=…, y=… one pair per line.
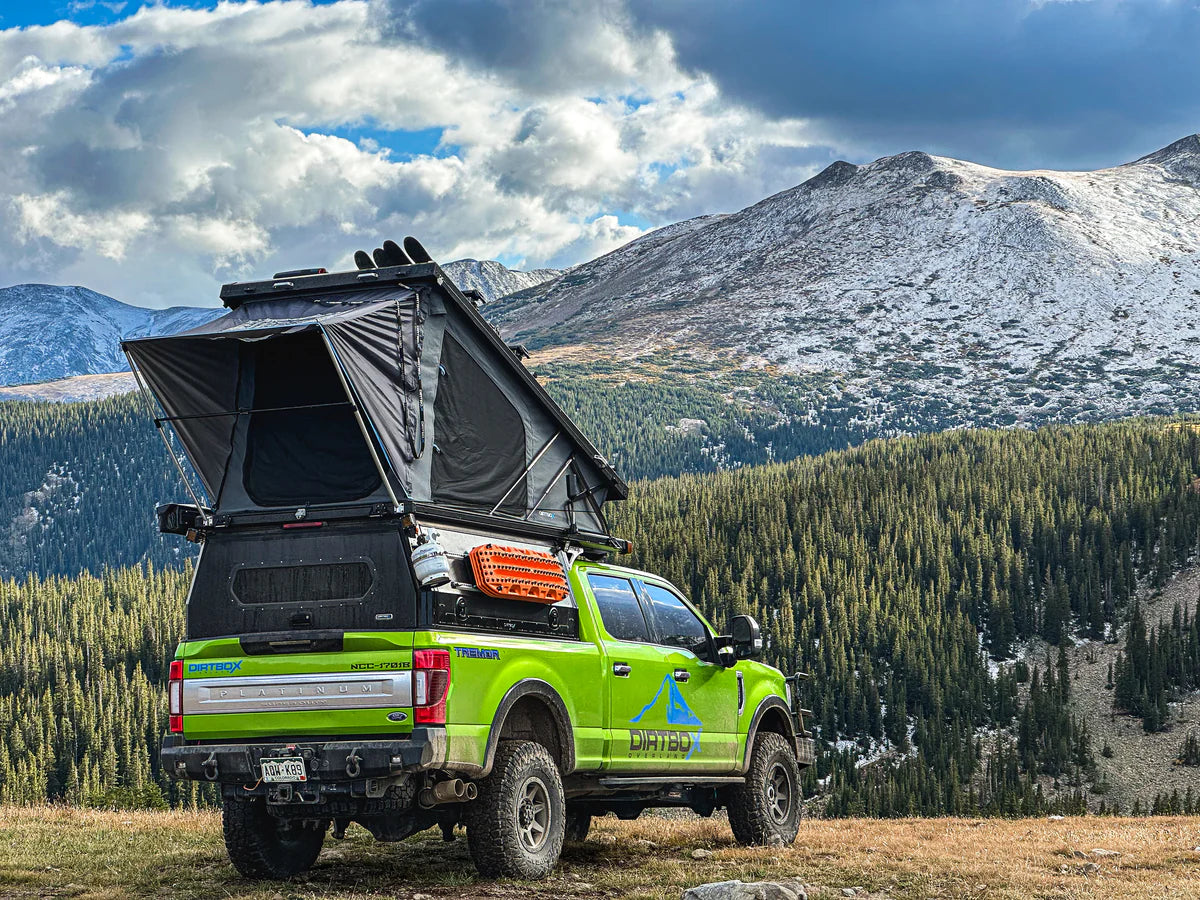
x=300, y=456
x=303, y=582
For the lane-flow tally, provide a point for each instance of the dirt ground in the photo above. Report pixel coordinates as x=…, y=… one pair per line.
x=56, y=852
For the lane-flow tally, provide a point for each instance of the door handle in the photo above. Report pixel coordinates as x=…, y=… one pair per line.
x=682, y=674
x=622, y=670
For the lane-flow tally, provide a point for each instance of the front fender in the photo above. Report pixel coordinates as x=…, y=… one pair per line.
x=765, y=706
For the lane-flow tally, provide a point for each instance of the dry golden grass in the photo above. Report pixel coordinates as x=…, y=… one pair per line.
x=88, y=854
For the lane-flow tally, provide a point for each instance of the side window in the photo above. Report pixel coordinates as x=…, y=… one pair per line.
x=676, y=625
x=619, y=608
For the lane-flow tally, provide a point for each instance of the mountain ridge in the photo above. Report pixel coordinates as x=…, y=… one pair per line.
x=493, y=279
x=78, y=330
x=88, y=327
x=932, y=287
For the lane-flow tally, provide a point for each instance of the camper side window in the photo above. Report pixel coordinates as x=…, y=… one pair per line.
x=619, y=608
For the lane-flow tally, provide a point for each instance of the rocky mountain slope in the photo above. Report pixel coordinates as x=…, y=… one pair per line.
x=52, y=332
x=938, y=292
x=494, y=280
x=1139, y=765
x=75, y=389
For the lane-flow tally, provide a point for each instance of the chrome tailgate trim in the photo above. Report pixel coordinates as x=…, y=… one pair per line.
x=285, y=693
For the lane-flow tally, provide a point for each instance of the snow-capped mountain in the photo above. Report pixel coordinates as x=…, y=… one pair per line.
x=494, y=280
x=922, y=287
x=49, y=332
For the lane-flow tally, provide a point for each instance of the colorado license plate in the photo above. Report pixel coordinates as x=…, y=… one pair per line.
x=290, y=769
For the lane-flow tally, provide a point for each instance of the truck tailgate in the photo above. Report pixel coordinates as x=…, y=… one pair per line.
x=363, y=689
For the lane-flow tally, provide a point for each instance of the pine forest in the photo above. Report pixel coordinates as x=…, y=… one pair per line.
x=908, y=576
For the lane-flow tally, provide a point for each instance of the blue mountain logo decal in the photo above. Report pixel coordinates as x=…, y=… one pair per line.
x=678, y=711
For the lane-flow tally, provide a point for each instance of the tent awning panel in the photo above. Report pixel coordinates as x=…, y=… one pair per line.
x=258, y=397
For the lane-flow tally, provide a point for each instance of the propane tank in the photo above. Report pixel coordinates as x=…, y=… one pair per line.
x=429, y=561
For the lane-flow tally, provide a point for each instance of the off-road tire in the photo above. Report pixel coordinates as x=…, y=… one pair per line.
x=499, y=833
x=578, y=825
x=754, y=807
x=263, y=847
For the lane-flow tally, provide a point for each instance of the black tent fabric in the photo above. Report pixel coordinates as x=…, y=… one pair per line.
x=195, y=382
x=474, y=421
x=371, y=395
x=303, y=444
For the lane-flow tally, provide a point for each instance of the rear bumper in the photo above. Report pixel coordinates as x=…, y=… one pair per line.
x=326, y=761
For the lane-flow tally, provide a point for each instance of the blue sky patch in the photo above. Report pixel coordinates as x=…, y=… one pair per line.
x=404, y=145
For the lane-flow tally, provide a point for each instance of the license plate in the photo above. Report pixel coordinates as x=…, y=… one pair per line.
x=288, y=770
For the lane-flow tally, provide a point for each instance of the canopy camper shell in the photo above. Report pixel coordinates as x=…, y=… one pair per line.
x=381, y=393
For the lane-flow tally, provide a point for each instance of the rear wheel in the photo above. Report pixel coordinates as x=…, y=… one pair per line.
x=766, y=809
x=261, y=846
x=517, y=824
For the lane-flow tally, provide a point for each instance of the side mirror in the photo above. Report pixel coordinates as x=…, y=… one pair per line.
x=747, y=637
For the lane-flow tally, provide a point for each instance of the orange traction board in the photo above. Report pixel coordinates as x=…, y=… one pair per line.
x=519, y=574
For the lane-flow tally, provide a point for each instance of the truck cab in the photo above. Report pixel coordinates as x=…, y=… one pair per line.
x=405, y=612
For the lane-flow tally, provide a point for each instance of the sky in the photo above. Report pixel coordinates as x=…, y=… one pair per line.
x=152, y=151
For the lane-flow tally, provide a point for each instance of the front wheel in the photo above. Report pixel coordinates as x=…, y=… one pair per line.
x=517, y=824
x=262, y=846
x=766, y=809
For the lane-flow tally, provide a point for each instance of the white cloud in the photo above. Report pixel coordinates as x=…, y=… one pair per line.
x=177, y=148
x=50, y=216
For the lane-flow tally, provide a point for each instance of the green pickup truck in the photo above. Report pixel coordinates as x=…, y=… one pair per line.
x=403, y=621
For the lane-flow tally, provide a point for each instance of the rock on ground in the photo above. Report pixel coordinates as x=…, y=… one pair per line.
x=755, y=890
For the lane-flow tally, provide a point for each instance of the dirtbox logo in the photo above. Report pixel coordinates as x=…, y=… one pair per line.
x=658, y=740
x=232, y=666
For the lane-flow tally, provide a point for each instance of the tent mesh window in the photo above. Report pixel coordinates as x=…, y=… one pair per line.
x=479, y=437
x=308, y=583
x=309, y=453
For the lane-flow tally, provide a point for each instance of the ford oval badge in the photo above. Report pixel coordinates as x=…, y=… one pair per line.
x=397, y=716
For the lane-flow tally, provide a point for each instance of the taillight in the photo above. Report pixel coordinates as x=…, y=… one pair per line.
x=175, y=696
x=431, y=684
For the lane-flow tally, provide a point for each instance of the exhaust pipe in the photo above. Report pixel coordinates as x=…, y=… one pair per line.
x=453, y=791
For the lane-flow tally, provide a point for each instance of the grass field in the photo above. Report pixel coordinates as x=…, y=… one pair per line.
x=82, y=853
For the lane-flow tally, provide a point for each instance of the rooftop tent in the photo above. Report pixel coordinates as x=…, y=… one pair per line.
x=304, y=399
